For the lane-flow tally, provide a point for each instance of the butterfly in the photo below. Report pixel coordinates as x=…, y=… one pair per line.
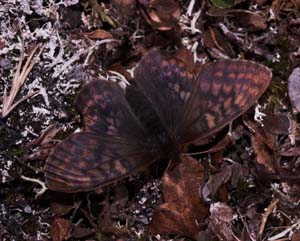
x=167, y=107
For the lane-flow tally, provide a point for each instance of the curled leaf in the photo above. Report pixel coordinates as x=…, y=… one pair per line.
x=99, y=34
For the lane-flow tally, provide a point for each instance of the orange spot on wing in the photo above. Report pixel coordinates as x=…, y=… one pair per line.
x=227, y=103
x=210, y=120
x=249, y=76
x=216, y=86
x=227, y=89
x=219, y=74
x=239, y=99
x=241, y=76
x=232, y=75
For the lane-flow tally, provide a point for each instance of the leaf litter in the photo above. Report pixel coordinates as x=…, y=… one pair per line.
x=245, y=187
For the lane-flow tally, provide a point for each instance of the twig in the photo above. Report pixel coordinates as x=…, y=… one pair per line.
x=43, y=185
x=265, y=216
x=246, y=226
x=19, y=79
x=285, y=232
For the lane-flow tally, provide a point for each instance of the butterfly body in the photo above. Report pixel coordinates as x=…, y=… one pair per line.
x=158, y=141
x=168, y=107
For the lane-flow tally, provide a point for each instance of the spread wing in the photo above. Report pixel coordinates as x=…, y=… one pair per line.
x=191, y=107
x=222, y=92
x=109, y=148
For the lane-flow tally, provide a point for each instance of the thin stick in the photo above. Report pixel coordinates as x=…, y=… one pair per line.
x=265, y=216
x=19, y=79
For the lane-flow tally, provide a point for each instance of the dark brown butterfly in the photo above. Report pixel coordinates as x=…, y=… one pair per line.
x=126, y=130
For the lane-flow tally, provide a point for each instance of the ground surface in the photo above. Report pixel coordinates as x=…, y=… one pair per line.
x=250, y=187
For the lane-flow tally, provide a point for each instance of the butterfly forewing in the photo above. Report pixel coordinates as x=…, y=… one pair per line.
x=225, y=90
x=193, y=108
x=167, y=84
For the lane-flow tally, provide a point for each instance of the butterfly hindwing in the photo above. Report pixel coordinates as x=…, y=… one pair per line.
x=109, y=148
x=85, y=161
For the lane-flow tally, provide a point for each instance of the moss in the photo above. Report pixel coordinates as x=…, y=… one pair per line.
x=281, y=71
x=18, y=152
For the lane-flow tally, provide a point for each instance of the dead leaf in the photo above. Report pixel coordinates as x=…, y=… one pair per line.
x=99, y=34
x=232, y=172
x=220, y=221
x=186, y=57
x=183, y=210
x=61, y=229
x=47, y=136
x=242, y=17
x=80, y=232
x=294, y=88
x=277, y=124
x=44, y=142
x=265, y=147
x=257, y=21
x=60, y=209
x=213, y=38
x=296, y=236
x=125, y=10
x=161, y=14
x=261, y=2
x=292, y=151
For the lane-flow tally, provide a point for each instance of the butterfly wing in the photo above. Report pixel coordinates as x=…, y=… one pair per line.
x=85, y=161
x=223, y=91
x=167, y=85
x=108, y=149
x=193, y=108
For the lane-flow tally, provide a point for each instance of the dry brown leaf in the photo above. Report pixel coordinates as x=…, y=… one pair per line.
x=61, y=229
x=265, y=147
x=292, y=151
x=232, y=172
x=220, y=218
x=125, y=9
x=277, y=124
x=214, y=39
x=186, y=57
x=183, y=210
x=80, y=232
x=99, y=34
x=296, y=236
x=162, y=14
x=47, y=136
x=44, y=142
x=257, y=21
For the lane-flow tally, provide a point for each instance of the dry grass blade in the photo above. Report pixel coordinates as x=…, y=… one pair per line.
x=20, y=76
